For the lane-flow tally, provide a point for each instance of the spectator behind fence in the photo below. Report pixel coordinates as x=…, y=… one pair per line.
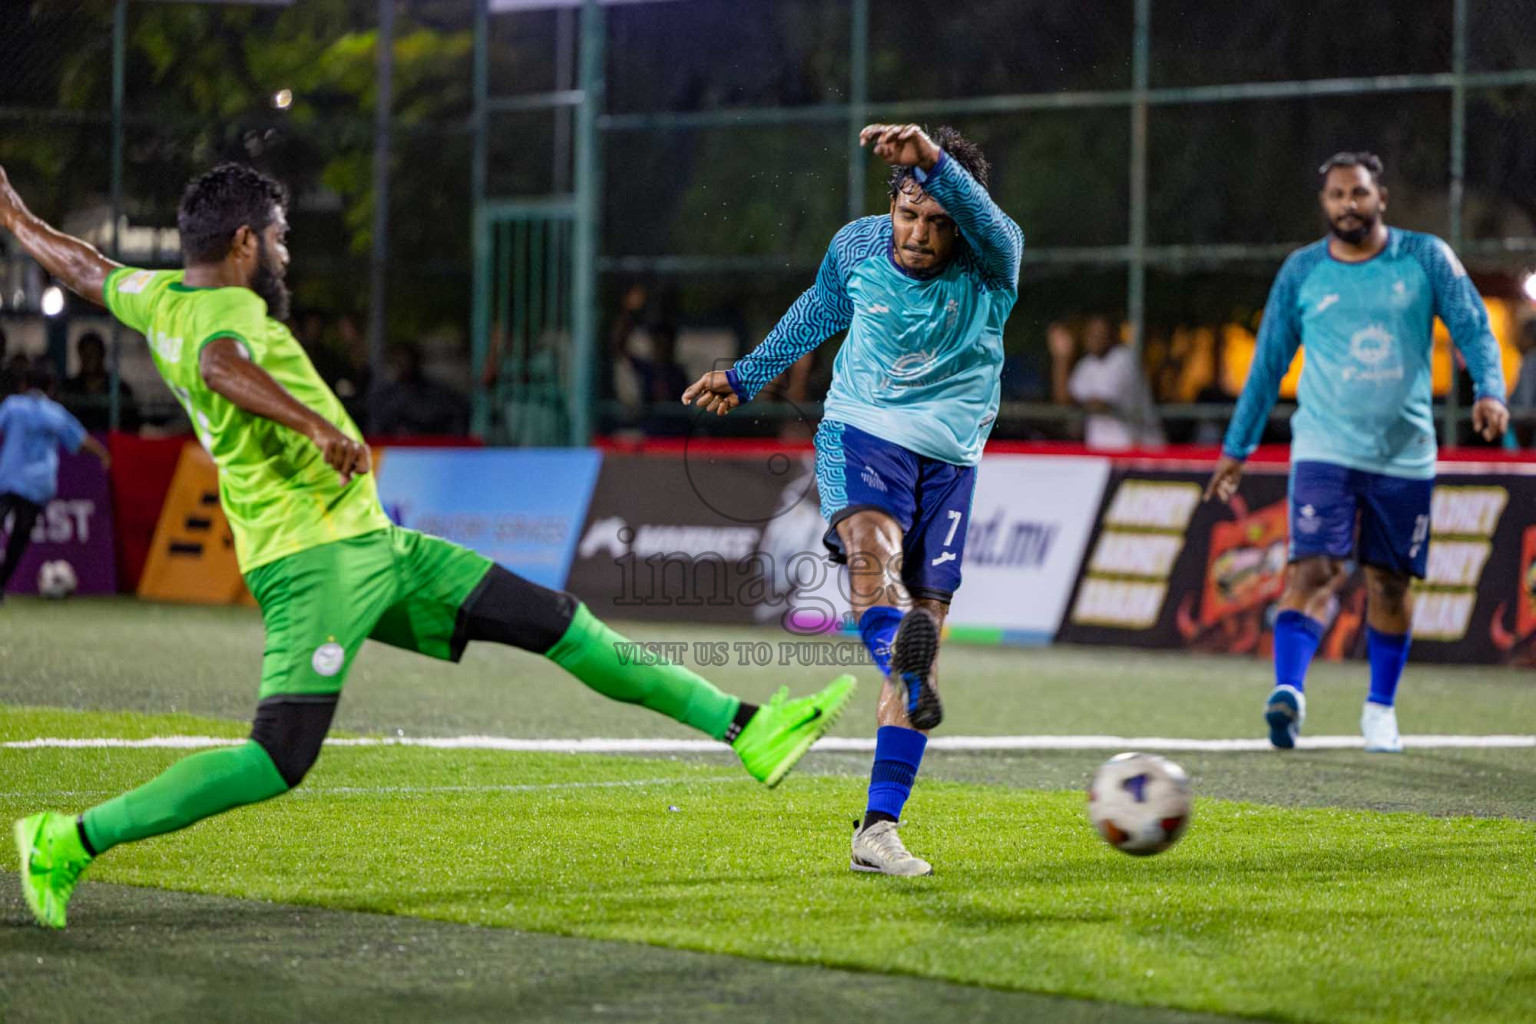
x=1108, y=384
x=88, y=394
x=7, y=385
x=1523, y=397
x=15, y=373
x=411, y=404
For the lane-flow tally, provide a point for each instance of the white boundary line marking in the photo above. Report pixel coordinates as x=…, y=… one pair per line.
x=843, y=745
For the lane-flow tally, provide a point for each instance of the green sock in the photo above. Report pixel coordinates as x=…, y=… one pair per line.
x=188, y=791
x=591, y=652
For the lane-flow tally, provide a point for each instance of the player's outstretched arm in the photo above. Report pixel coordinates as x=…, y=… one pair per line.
x=82, y=269
x=713, y=393
x=991, y=232
x=227, y=371
x=822, y=310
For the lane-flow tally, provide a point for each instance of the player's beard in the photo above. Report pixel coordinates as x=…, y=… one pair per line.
x=269, y=283
x=1357, y=234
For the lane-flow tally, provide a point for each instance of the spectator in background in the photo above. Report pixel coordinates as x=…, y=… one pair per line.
x=1108, y=384
x=7, y=385
x=1062, y=346
x=411, y=404
x=15, y=373
x=328, y=360
x=1523, y=397
x=88, y=394
x=354, y=379
x=32, y=428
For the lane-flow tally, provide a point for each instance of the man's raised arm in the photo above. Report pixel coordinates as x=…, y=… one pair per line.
x=77, y=264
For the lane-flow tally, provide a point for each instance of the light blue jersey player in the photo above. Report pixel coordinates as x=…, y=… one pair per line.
x=923, y=293
x=1363, y=303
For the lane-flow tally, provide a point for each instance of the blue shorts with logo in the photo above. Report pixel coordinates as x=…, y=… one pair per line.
x=929, y=499
x=1328, y=502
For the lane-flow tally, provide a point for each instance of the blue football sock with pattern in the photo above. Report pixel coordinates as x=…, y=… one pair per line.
x=1296, y=640
x=898, y=753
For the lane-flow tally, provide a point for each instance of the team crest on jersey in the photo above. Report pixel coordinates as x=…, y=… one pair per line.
x=1371, y=344
x=328, y=658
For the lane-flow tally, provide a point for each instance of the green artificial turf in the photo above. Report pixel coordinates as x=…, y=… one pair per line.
x=1292, y=898
x=1317, y=914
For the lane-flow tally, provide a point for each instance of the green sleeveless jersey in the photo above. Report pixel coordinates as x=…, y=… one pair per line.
x=278, y=494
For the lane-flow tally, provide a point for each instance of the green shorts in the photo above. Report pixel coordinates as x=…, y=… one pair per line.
x=396, y=586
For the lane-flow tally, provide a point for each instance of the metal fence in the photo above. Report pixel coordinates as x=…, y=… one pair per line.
x=499, y=179
x=1182, y=146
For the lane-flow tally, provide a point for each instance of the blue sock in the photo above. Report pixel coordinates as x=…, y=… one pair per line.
x=898, y=752
x=1388, y=653
x=877, y=627
x=1296, y=640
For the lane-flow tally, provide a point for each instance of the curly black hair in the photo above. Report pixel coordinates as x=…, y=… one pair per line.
x=960, y=149
x=1370, y=161
x=218, y=203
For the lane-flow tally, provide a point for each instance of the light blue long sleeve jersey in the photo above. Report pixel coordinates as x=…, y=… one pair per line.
x=1364, y=397
x=923, y=357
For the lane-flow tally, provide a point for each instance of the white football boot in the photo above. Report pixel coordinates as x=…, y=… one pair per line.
x=878, y=849
x=1378, y=724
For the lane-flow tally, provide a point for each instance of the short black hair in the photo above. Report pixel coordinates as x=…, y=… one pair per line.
x=1370, y=161
x=960, y=149
x=91, y=338
x=218, y=203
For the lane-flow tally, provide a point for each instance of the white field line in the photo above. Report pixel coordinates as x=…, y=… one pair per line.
x=834, y=745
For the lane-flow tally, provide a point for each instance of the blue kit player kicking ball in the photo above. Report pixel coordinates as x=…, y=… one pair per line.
x=923, y=291
x=1363, y=303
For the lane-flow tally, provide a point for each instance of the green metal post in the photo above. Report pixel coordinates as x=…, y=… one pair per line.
x=378, y=269
x=858, y=97
x=1136, y=276
x=584, y=258
x=480, y=319
x=1448, y=425
x=119, y=76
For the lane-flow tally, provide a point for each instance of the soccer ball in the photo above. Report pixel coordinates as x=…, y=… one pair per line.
x=56, y=579
x=1140, y=803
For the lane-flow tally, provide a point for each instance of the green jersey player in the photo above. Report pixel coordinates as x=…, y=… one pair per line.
x=326, y=566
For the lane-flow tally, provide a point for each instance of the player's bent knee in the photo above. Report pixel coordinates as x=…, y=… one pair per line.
x=508, y=609
x=291, y=729
x=1387, y=588
x=1314, y=576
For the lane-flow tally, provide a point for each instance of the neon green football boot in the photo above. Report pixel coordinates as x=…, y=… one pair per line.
x=52, y=858
x=783, y=730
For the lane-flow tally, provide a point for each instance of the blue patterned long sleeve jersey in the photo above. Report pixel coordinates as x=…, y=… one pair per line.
x=1368, y=331
x=921, y=364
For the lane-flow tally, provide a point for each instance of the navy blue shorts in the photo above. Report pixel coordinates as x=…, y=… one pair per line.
x=929, y=499
x=1392, y=513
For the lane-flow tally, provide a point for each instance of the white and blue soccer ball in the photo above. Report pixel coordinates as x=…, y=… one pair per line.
x=56, y=579
x=1140, y=803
